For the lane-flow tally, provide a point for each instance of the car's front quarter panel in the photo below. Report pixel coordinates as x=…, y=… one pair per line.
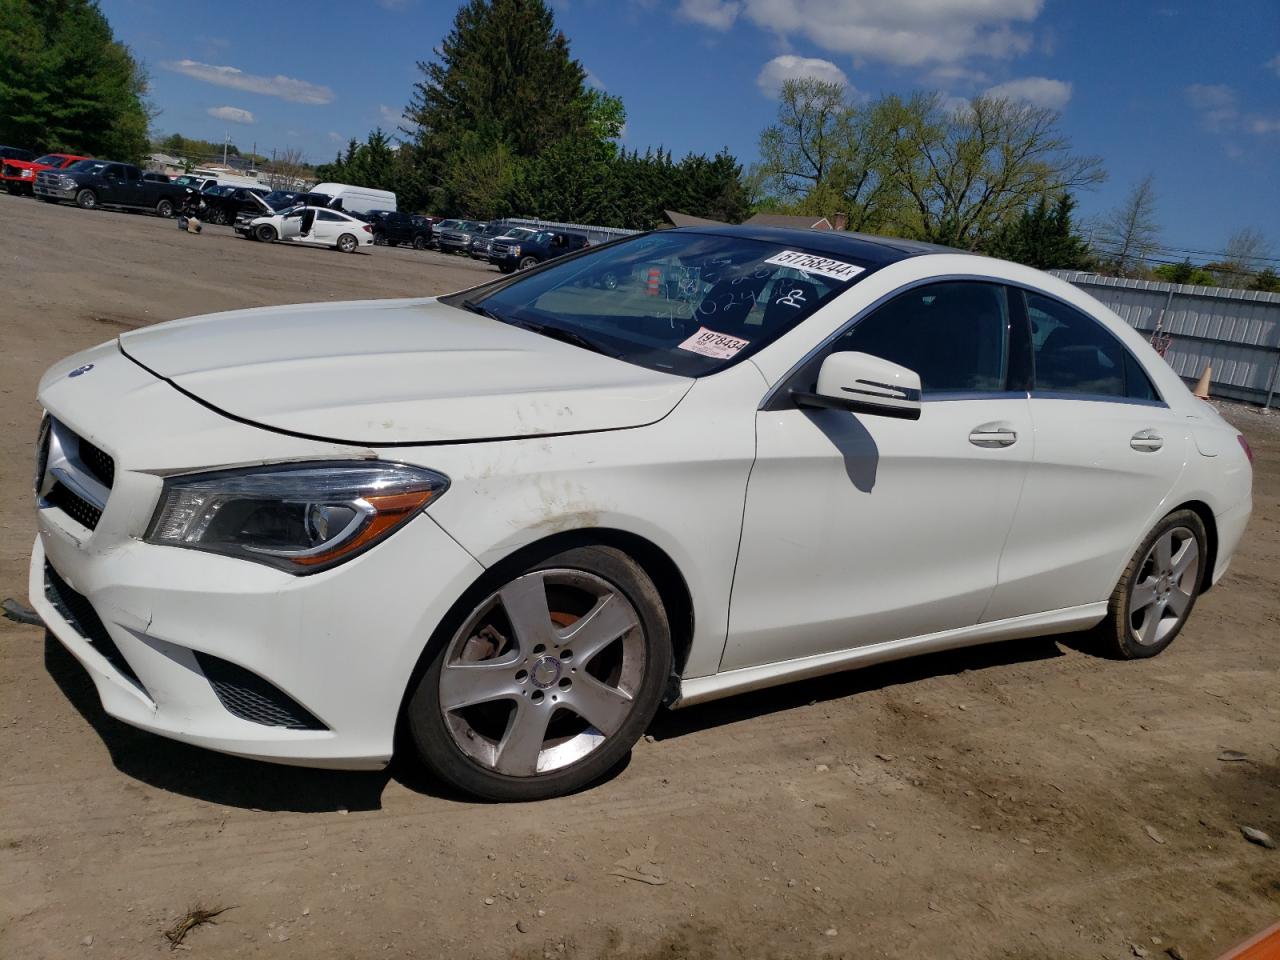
x=679, y=483
x=342, y=642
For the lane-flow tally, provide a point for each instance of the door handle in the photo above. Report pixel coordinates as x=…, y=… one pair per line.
x=993, y=435
x=1146, y=441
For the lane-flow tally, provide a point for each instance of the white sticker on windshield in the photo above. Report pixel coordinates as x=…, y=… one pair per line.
x=712, y=344
x=822, y=266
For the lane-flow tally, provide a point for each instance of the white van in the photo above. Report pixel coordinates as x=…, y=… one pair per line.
x=356, y=199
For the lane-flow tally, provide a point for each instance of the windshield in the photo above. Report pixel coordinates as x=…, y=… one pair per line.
x=88, y=166
x=684, y=303
x=51, y=160
x=279, y=199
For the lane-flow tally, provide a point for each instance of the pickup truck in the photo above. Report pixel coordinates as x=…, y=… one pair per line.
x=19, y=174
x=525, y=252
x=104, y=183
x=392, y=228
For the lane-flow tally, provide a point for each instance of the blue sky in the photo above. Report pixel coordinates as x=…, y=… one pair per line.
x=1187, y=91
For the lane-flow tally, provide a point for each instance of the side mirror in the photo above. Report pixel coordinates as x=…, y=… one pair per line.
x=861, y=383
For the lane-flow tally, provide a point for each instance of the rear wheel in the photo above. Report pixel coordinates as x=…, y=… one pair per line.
x=347, y=243
x=543, y=685
x=1158, y=589
x=265, y=232
x=86, y=200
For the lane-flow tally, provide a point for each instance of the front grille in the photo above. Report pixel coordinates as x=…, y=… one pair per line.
x=500, y=249
x=249, y=697
x=76, y=609
x=98, y=462
x=75, y=506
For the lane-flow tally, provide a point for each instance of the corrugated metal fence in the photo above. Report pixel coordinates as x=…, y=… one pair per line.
x=593, y=234
x=1237, y=332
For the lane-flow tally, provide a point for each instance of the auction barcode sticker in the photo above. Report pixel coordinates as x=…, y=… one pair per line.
x=822, y=266
x=712, y=344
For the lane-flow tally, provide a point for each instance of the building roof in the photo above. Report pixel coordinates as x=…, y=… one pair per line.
x=685, y=220
x=788, y=220
x=863, y=247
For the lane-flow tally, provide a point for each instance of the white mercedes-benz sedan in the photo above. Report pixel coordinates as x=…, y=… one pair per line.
x=511, y=523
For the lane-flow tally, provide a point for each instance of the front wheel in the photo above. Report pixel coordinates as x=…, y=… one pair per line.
x=419, y=242
x=539, y=687
x=86, y=200
x=1159, y=587
x=164, y=208
x=347, y=243
x=527, y=262
x=265, y=232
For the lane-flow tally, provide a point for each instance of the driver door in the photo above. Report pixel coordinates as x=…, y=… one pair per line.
x=291, y=225
x=862, y=529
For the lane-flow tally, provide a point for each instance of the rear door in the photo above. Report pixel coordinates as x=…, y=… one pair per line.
x=329, y=226
x=1107, y=452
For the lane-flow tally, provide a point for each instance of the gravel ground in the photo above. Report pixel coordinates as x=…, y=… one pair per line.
x=1023, y=800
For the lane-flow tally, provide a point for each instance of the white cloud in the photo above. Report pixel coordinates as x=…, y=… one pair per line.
x=393, y=118
x=336, y=137
x=788, y=67
x=956, y=106
x=716, y=14
x=1274, y=64
x=901, y=32
x=1264, y=125
x=594, y=81
x=395, y=5
x=286, y=88
x=233, y=114
x=1037, y=91
x=1216, y=105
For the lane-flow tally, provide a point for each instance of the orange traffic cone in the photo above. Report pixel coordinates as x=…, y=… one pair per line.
x=1202, y=388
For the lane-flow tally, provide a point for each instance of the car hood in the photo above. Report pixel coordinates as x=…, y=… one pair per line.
x=398, y=372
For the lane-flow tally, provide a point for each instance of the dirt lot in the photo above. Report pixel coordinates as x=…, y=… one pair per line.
x=1025, y=800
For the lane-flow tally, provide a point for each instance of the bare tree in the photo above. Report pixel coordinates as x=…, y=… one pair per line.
x=1129, y=234
x=287, y=170
x=1247, y=253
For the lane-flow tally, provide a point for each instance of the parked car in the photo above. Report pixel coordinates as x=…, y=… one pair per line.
x=19, y=175
x=104, y=183
x=226, y=204
x=482, y=249
x=392, y=228
x=526, y=252
x=457, y=239
x=194, y=182
x=344, y=196
x=510, y=523
x=316, y=226
x=482, y=241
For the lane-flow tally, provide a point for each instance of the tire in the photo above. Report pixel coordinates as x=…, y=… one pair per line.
x=48, y=199
x=529, y=709
x=527, y=262
x=86, y=200
x=265, y=232
x=164, y=208
x=15, y=189
x=506, y=269
x=419, y=242
x=1158, y=589
x=348, y=243
x=609, y=281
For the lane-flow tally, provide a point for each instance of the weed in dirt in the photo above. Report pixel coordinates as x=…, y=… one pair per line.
x=195, y=917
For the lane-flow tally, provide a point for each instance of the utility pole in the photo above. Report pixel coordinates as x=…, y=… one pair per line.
x=226, y=142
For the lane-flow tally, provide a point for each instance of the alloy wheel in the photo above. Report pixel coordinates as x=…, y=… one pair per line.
x=542, y=672
x=1164, y=587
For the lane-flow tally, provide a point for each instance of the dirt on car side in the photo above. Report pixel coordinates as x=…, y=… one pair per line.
x=1022, y=800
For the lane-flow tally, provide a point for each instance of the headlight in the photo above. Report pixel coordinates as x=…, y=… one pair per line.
x=514, y=251
x=67, y=183
x=301, y=518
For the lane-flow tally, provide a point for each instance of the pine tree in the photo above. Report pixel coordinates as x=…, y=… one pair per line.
x=66, y=83
x=1043, y=236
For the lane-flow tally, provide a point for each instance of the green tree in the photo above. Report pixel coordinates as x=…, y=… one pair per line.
x=1043, y=236
x=66, y=83
x=505, y=74
x=369, y=164
x=1184, y=272
x=1266, y=281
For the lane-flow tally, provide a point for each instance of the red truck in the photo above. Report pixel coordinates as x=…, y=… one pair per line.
x=19, y=174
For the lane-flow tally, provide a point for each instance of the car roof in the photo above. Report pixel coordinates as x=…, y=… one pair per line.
x=867, y=247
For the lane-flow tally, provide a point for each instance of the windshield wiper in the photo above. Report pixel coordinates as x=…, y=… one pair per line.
x=473, y=307
x=564, y=336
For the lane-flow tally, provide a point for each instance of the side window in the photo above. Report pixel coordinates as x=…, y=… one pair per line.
x=954, y=334
x=113, y=172
x=326, y=215
x=1076, y=354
